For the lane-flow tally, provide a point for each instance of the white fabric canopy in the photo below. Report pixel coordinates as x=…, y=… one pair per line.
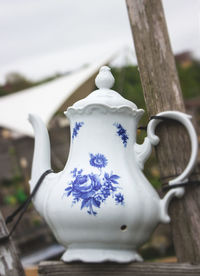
x=43, y=100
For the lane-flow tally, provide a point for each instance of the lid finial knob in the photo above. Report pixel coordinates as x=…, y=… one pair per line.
x=105, y=78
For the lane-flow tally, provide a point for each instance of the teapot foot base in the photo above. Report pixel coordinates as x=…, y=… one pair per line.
x=99, y=255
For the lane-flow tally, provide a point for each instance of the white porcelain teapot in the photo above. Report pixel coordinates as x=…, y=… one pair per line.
x=101, y=207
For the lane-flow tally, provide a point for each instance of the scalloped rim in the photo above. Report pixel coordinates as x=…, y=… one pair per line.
x=104, y=109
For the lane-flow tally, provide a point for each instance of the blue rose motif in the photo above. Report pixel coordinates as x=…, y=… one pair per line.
x=93, y=189
x=84, y=185
x=98, y=160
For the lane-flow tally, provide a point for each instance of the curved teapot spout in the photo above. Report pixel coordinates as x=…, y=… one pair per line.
x=41, y=156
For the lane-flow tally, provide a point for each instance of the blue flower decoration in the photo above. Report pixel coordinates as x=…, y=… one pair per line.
x=119, y=198
x=91, y=190
x=98, y=160
x=76, y=128
x=122, y=133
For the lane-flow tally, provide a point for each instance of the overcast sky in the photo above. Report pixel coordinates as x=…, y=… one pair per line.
x=41, y=37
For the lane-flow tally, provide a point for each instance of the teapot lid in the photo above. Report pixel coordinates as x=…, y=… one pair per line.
x=104, y=95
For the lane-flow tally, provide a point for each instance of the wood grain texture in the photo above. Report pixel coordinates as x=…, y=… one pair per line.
x=105, y=269
x=9, y=262
x=162, y=92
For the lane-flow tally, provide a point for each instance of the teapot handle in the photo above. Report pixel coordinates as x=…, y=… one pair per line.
x=185, y=120
x=154, y=140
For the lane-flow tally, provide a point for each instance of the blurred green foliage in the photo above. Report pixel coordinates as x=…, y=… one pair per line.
x=14, y=188
x=18, y=197
x=190, y=79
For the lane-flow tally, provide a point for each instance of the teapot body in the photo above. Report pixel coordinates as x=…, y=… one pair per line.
x=103, y=206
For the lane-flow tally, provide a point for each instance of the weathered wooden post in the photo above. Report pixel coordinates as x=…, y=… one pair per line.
x=162, y=92
x=9, y=262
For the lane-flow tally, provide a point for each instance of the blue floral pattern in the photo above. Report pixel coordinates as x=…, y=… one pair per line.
x=122, y=133
x=91, y=190
x=98, y=160
x=76, y=128
x=119, y=198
